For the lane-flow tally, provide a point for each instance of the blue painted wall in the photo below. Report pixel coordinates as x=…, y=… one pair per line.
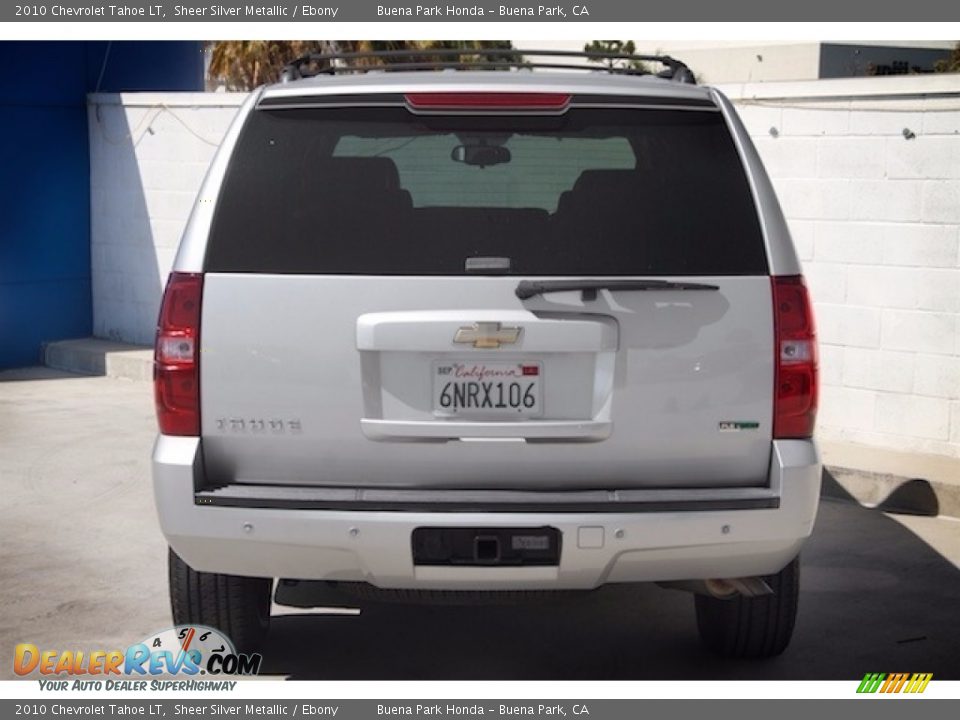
x=45, y=175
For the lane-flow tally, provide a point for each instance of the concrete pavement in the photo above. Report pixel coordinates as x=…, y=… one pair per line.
x=82, y=566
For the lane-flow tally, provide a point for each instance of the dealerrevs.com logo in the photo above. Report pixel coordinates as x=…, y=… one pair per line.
x=185, y=650
x=894, y=683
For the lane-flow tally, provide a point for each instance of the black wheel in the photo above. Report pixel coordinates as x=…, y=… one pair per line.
x=237, y=606
x=756, y=627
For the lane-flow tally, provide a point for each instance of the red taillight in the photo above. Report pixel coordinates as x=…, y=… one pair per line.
x=487, y=101
x=176, y=358
x=796, y=383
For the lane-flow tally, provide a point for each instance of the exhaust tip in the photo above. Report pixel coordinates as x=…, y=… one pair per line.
x=720, y=588
x=747, y=587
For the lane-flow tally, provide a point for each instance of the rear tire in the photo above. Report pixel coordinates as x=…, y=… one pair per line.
x=237, y=606
x=757, y=627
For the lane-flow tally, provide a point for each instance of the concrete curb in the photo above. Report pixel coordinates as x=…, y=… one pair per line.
x=909, y=482
x=92, y=356
x=896, y=493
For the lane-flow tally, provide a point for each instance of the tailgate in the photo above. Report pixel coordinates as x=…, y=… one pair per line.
x=334, y=381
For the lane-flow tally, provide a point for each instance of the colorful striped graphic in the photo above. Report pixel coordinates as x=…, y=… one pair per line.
x=894, y=682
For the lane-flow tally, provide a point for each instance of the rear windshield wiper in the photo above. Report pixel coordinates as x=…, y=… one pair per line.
x=528, y=288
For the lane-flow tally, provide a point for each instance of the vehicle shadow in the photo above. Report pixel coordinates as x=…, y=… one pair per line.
x=874, y=597
x=913, y=497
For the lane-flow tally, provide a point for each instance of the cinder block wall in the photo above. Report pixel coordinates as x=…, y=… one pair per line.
x=868, y=173
x=149, y=153
x=867, y=170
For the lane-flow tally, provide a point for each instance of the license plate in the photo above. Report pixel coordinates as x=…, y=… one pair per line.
x=492, y=389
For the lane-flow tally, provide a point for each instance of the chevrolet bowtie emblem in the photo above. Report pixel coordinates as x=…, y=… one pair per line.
x=487, y=335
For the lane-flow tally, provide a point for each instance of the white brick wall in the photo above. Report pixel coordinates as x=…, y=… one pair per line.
x=876, y=220
x=148, y=155
x=875, y=217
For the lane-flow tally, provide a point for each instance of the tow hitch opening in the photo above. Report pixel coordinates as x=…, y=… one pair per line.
x=486, y=549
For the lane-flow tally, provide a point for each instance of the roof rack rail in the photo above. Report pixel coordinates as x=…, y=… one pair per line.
x=315, y=64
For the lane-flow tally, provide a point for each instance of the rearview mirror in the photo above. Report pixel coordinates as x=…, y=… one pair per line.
x=480, y=155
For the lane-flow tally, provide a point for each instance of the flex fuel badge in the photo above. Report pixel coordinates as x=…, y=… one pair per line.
x=737, y=425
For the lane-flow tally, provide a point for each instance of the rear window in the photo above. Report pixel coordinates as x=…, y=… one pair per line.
x=383, y=191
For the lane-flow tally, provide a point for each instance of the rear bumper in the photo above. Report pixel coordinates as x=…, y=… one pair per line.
x=659, y=543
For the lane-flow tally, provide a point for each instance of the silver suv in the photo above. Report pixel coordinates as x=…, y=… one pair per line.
x=473, y=331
